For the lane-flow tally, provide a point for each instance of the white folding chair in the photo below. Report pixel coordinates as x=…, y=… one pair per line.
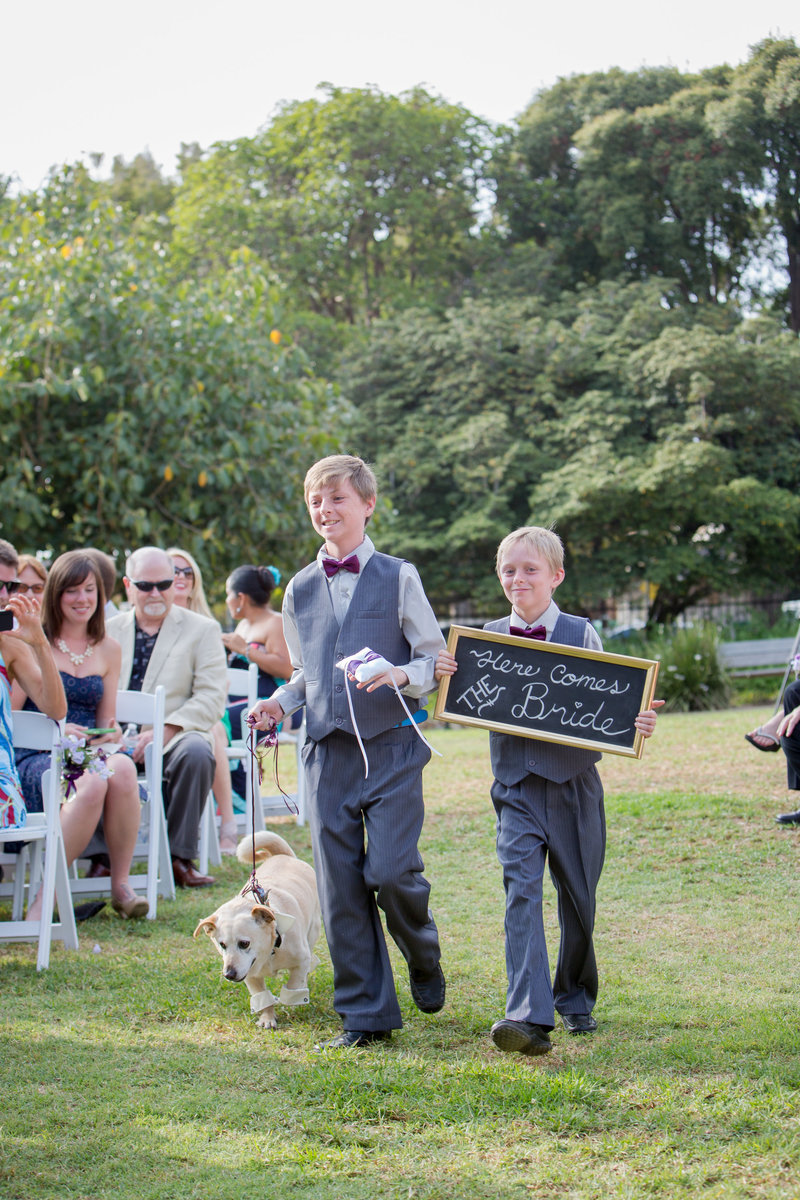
x=42, y=831
x=242, y=685
x=145, y=708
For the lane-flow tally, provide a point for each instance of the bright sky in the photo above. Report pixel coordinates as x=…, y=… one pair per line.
x=98, y=76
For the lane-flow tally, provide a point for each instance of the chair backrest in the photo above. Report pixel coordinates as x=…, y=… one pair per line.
x=243, y=685
x=35, y=731
x=146, y=708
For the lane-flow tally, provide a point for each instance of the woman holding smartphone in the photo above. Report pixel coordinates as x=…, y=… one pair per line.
x=89, y=665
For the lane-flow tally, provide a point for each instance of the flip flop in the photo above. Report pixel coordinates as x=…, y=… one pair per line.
x=751, y=738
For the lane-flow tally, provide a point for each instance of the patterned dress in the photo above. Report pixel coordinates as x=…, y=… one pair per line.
x=12, y=806
x=83, y=697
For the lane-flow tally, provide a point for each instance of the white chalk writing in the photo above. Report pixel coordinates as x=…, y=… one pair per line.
x=481, y=695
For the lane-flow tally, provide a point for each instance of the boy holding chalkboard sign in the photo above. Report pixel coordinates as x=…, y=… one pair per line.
x=363, y=758
x=549, y=803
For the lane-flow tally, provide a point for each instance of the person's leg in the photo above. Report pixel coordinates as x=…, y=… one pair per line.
x=393, y=816
x=121, y=817
x=577, y=837
x=521, y=850
x=188, y=774
x=364, y=993
x=791, y=745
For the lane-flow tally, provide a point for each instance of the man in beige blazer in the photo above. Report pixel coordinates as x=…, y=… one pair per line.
x=164, y=644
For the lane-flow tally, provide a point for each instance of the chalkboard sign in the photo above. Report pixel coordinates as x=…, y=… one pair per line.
x=545, y=690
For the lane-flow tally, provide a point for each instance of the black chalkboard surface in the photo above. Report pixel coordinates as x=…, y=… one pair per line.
x=544, y=690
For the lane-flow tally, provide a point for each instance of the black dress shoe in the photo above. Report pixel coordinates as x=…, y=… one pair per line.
x=788, y=819
x=521, y=1036
x=578, y=1022
x=356, y=1037
x=427, y=989
x=187, y=876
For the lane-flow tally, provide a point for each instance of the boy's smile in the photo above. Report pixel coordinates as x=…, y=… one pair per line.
x=339, y=515
x=528, y=581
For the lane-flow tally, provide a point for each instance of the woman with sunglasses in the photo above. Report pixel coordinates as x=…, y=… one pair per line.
x=189, y=592
x=89, y=664
x=32, y=576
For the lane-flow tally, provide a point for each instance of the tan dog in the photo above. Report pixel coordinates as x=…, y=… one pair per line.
x=258, y=939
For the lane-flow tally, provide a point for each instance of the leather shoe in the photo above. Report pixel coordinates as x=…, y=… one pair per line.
x=135, y=906
x=578, y=1022
x=186, y=875
x=427, y=989
x=356, y=1037
x=788, y=819
x=521, y=1036
x=98, y=870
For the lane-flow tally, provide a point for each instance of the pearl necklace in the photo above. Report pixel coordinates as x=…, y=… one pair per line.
x=77, y=659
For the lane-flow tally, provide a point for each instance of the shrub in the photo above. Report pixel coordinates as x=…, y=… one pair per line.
x=691, y=677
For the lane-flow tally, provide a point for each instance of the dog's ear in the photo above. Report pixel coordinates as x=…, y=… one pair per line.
x=208, y=925
x=260, y=912
x=284, y=922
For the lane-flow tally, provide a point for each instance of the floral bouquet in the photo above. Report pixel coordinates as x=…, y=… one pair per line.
x=77, y=757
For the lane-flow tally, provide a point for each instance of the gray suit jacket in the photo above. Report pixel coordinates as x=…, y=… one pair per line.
x=188, y=659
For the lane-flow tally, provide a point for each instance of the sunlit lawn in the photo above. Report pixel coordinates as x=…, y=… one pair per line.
x=130, y=1069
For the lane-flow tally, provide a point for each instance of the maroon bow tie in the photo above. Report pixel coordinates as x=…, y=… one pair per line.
x=331, y=565
x=539, y=632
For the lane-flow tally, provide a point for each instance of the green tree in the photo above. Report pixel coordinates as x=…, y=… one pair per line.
x=357, y=203
x=760, y=123
x=135, y=409
x=665, y=449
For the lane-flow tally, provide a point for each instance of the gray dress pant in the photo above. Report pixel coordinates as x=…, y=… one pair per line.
x=364, y=834
x=188, y=775
x=564, y=825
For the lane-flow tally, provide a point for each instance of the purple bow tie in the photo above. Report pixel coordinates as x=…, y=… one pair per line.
x=331, y=565
x=539, y=632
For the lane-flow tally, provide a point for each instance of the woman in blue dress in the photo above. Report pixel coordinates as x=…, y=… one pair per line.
x=89, y=665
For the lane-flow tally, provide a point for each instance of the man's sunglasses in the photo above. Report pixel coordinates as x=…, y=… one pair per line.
x=10, y=585
x=145, y=585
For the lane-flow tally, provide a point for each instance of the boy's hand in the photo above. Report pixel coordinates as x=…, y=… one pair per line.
x=445, y=664
x=266, y=714
x=395, y=675
x=789, y=723
x=646, y=721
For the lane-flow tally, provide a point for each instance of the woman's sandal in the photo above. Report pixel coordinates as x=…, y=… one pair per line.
x=759, y=733
x=135, y=906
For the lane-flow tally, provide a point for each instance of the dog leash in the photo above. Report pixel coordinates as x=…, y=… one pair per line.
x=269, y=743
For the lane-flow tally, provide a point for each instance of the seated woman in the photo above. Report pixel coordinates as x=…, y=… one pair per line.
x=258, y=637
x=189, y=593
x=32, y=576
x=89, y=665
x=26, y=661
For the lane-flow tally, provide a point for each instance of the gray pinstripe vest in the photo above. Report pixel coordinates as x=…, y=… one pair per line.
x=371, y=620
x=515, y=757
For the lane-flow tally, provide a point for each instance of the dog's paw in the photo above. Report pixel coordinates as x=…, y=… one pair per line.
x=267, y=1019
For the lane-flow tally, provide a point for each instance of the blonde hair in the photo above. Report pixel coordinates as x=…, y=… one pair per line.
x=338, y=467
x=35, y=564
x=543, y=541
x=197, y=600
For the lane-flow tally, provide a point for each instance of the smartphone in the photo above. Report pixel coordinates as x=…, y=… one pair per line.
x=6, y=620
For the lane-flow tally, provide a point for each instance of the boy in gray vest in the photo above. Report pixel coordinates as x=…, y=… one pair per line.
x=363, y=759
x=549, y=804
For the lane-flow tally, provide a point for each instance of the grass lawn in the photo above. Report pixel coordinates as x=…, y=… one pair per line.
x=131, y=1070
